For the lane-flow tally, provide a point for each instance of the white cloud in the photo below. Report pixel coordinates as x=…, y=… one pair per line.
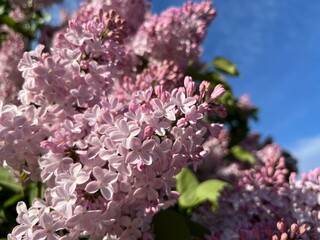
x=308, y=153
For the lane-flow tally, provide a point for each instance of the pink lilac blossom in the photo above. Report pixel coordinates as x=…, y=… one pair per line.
x=119, y=176
x=21, y=131
x=77, y=75
x=175, y=35
x=103, y=160
x=245, y=104
x=11, y=51
x=35, y=4
x=261, y=198
x=305, y=195
x=133, y=12
x=11, y=81
x=166, y=74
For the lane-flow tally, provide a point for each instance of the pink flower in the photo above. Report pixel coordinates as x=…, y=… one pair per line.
x=157, y=125
x=180, y=138
x=183, y=102
x=27, y=223
x=141, y=152
x=63, y=199
x=131, y=227
x=163, y=109
x=104, y=181
x=74, y=177
x=192, y=115
x=50, y=227
x=217, y=92
x=126, y=132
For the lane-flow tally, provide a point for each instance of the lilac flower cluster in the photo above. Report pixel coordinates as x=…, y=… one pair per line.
x=81, y=68
x=175, y=35
x=77, y=75
x=14, y=44
x=105, y=138
x=166, y=74
x=261, y=198
x=11, y=51
x=35, y=4
x=133, y=12
x=116, y=163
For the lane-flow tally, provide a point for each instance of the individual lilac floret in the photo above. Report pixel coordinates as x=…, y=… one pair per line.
x=103, y=182
x=176, y=34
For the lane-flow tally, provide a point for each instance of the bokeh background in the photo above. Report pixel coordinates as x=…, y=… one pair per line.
x=276, y=46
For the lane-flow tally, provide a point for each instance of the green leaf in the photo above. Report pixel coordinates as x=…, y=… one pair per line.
x=2, y=9
x=13, y=200
x=8, y=182
x=186, y=185
x=226, y=66
x=5, y=7
x=242, y=155
x=228, y=99
x=35, y=190
x=210, y=191
x=216, y=77
x=22, y=28
x=169, y=225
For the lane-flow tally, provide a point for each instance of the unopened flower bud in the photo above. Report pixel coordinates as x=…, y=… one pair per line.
x=293, y=230
x=148, y=131
x=191, y=87
x=217, y=92
x=302, y=229
x=284, y=236
x=133, y=107
x=187, y=80
x=204, y=88
x=158, y=90
x=165, y=96
x=281, y=226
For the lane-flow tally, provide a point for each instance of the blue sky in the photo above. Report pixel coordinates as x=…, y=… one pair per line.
x=275, y=45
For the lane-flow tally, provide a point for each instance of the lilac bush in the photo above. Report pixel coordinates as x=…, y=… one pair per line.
x=113, y=112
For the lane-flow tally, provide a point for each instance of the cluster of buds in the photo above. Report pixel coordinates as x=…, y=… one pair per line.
x=292, y=232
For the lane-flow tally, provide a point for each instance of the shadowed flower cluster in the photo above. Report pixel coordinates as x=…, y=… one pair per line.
x=261, y=198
